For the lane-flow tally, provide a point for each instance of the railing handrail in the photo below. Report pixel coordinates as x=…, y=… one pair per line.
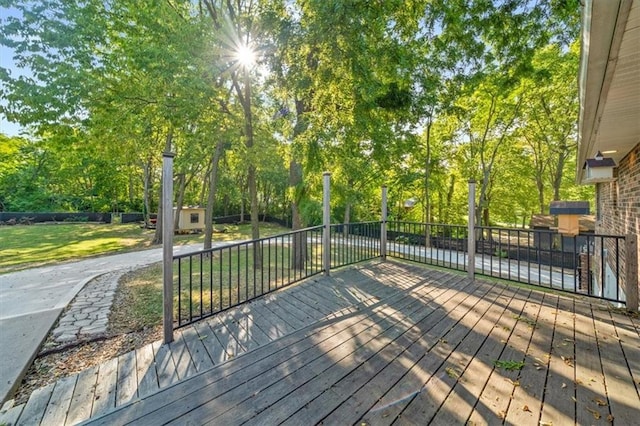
x=247, y=241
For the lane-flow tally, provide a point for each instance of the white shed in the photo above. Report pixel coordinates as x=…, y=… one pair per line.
x=191, y=219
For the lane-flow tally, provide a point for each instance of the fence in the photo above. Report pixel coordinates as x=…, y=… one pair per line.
x=592, y=268
x=210, y=281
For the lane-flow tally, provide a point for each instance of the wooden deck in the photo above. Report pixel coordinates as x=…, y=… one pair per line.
x=379, y=343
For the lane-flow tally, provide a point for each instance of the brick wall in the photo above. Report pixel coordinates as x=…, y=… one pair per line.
x=618, y=203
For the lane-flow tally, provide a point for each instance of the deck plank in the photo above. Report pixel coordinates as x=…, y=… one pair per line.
x=329, y=304
x=185, y=366
x=231, y=346
x=127, y=383
x=212, y=345
x=494, y=398
x=10, y=416
x=559, y=398
x=165, y=367
x=622, y=393
x=252, y=324
x=201, y=359
x=282, y=315
x=36, y=404
x=82, y=399
x=58, y=406
x=146, y=374
x=104, y=397
x=387, y=342
x=526, y=405
x=630, y=344
x=270, y=324
x=458, y=406
x=590, y=386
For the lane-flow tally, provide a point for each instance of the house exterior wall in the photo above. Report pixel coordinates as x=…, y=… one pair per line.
x=618, y=207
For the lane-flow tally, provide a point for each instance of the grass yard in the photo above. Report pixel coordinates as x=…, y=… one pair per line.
x=27, y=246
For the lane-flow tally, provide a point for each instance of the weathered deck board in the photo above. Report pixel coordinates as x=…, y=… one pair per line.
x=147, y=376
x=10, y=415
x=127, y=381
x=526, y=405
x=58, y=406
x=494, y=399
x=558, y=400
x=165, y=368
x=36, y=405
x=327, y=369
x=214, y=348
x=459, y=405
x=590, y=386
x=82, y=399
x=105, y=392
x=201, y=359
x=441, y=339
x=622, y=394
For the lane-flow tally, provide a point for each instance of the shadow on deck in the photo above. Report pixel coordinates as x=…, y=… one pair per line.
x=374, y=344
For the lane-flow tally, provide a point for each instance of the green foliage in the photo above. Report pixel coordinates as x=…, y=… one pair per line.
x=418, y=95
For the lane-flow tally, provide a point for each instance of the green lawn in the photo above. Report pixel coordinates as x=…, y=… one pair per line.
x=26, y=246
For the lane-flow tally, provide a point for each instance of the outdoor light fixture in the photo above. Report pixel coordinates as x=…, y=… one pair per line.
x=599, y=169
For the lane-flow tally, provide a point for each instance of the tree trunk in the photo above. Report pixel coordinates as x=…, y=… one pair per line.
x=299, y=249
x=157, y=239
x=427, y=196
x=213, y=183
x=347, y=219
x=182, y=184
x=146, y=192
x=205, y=184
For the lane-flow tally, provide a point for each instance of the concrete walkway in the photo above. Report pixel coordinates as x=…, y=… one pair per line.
x=32, y=300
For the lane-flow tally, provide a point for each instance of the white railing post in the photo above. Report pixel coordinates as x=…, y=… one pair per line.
x=167, y=245
x=383, y=225
x=471, y=231
x=326, y=223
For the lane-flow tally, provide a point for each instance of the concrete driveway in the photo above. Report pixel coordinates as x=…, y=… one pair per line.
x=31, y=301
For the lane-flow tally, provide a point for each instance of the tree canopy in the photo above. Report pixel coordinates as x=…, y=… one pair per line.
x=417, y=95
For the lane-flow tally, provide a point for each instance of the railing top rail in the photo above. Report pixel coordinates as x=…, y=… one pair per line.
x=246, y=242
x=426, y=223
x=357, y=223
x=546, y=231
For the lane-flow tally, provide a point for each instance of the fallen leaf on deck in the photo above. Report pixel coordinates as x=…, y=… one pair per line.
x=564, y=385
x=610, y=418
x=600, y=402
x=596, y=414
x=526, y=408
x=543, y=423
